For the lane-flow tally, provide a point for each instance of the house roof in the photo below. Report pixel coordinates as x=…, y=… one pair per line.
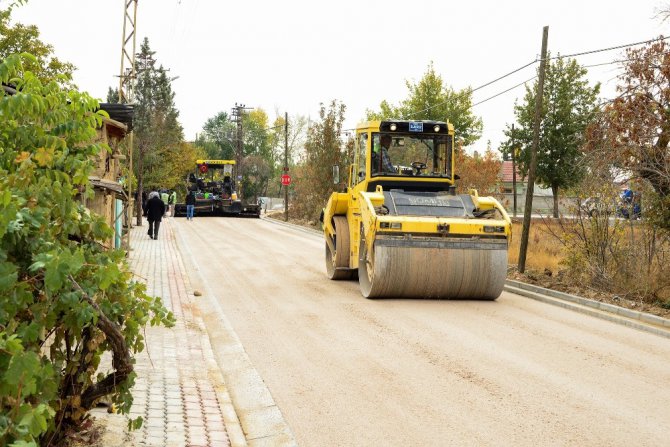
x=119, y=112
x=506, y=173
x=108, y=185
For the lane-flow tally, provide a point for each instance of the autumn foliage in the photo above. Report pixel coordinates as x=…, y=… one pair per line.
x=632, y=134
x=313, y=177
x=479, y=172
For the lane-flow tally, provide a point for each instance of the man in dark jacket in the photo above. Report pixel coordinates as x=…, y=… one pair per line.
x=190, y=205
x=154, y=209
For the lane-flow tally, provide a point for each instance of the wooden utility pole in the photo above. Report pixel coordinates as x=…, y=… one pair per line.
x=514, y=169
x=286, y=165
x=533, y=154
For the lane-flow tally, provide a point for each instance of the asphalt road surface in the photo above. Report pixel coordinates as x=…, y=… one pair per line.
x=347, y=371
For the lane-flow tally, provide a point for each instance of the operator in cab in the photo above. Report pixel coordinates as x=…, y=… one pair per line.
x=386, y=165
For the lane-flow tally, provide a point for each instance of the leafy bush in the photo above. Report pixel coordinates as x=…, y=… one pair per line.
x=64, y=299
x=611, y=254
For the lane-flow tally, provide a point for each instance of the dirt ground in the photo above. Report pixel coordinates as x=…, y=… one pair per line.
x=559, y=283
x=103, y=429
x=543, y=268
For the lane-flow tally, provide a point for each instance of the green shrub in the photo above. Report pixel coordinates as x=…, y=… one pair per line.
x=64, y=299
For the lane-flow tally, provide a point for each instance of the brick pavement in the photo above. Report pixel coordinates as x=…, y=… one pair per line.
x=179, y=391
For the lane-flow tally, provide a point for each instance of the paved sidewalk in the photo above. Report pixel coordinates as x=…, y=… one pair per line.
x=179, y=390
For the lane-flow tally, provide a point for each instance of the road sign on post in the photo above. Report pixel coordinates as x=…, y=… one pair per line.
x=285, y=179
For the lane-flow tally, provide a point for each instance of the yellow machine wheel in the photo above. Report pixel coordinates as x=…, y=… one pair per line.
x=337, y=264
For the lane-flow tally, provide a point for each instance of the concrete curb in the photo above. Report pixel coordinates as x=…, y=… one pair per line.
x=261, y=420
x=626, y=317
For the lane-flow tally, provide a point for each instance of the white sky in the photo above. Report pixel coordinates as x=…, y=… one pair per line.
x=292, y=55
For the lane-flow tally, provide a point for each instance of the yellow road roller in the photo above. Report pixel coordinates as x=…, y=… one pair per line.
x=400, y=227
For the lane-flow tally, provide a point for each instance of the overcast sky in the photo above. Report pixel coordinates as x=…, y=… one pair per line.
x=292, y=55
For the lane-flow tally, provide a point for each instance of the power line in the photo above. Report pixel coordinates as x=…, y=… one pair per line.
x=610, y=48
x=504, y=91
x=619, y=61
x=482, y=86
x=504, y=76
x=534, y=77
x=534, y=62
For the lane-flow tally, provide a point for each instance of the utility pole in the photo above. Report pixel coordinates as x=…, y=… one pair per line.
x=286, y=165
x=126, y=84
x=533, y=155
x=127, y=73
x=514, y=169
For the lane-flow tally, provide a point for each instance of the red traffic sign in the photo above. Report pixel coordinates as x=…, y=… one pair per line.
x=285, y=179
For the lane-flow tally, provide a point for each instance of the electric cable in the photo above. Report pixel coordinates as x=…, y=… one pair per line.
x=504, y=76
x=537, y=60
x=535, y=77
x=481, y=86
x=610, y=48
x=504, y=91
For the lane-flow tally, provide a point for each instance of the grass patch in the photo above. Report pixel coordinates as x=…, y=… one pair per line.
x=545, y=252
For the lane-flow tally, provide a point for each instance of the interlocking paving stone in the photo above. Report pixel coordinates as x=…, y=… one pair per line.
x=177, y=375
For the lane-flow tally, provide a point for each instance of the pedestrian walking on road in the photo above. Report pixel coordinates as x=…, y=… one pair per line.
x=190, y=205
x=155, y=209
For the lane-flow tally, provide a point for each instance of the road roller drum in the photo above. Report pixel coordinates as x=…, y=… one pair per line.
x=433, y=268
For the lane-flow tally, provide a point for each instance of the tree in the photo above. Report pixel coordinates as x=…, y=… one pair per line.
x=65, y=300
x=217, y=136
x=257, y=162
x=430, y=99
x=25, y=39
x=158, y=134
x=277, y=142
x=296, y=140
x=479, y=172
x=632, y=134
x=569, y=105
x=324, y=149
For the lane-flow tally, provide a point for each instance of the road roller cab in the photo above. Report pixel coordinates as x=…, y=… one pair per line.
x=401, y=228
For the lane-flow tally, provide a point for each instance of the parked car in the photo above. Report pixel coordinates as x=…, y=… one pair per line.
x=595, y=206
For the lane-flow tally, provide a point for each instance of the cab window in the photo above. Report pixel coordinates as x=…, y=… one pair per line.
x=361, y=149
